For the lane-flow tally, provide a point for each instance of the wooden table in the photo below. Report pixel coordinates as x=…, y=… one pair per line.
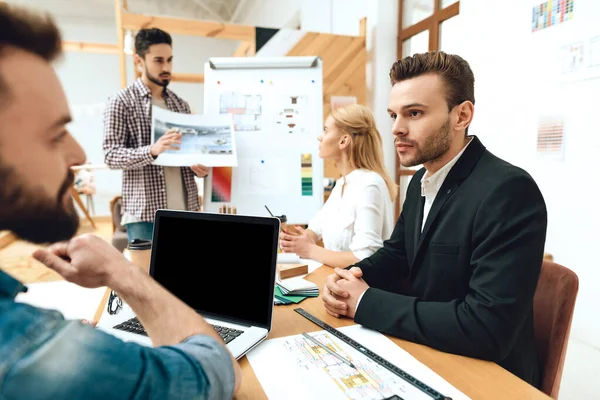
x=476, y=378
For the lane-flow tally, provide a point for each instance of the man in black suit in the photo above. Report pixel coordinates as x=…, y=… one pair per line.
x=461, y=268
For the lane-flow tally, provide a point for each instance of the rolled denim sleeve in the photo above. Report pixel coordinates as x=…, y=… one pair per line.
x=69, y=360
x=215, y=362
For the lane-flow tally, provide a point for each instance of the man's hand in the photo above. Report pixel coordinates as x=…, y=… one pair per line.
x=85, y=260
x=200, y=170
x=351, y=282
x=300, y=243
x=340, y=292
x=169, y=141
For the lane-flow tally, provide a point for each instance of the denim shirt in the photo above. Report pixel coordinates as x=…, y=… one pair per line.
x=44, y=356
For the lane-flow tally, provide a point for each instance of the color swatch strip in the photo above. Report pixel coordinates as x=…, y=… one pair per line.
x=307, y=174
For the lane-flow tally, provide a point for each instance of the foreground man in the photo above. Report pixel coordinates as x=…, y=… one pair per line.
x=43, y=356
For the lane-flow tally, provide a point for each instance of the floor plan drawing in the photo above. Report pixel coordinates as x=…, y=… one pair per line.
x=368, y=381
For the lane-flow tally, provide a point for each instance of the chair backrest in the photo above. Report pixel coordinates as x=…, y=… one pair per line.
x=115, y=212
x=553, y=306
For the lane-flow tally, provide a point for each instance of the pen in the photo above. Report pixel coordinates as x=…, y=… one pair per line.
x=269, y=211
x=333, y=353
x=280, y=228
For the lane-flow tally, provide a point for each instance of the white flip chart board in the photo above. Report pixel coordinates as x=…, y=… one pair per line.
x=277, y=107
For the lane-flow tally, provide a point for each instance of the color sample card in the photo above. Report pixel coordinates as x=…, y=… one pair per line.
x=551, y=12
x=551, y=135
x=221, y=184
x=307, y=174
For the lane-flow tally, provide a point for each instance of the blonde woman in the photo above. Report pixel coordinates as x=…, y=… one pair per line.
x=358, y=215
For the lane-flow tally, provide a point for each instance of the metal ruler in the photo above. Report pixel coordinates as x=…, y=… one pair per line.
x=374, y=356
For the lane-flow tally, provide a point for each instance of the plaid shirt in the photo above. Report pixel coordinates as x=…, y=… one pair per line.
x=126, y=144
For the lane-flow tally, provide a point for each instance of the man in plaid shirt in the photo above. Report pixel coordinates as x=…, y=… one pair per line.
x=127, y=140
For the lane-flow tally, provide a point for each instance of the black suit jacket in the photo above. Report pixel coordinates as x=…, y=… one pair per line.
x=465, y=284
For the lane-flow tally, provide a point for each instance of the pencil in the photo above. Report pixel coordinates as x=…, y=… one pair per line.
x=333, y=353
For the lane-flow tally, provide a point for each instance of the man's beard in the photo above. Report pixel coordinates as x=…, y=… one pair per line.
x=434, y=147
x=155, y=79
x=31, y=215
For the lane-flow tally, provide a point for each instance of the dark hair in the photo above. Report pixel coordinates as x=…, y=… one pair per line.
x=29, y=31
x=454, y=71
x=147, y=37
x=23, y=29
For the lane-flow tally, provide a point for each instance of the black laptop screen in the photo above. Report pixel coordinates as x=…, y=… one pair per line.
x=220, y=265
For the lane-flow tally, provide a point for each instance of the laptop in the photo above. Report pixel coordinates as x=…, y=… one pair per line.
x=221, y=265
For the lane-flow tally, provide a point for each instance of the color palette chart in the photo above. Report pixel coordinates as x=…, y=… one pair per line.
x=221, y=184
x=307, y=174
x=550, y=142
x=551, y=12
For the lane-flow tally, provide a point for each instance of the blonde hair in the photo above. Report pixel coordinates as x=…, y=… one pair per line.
x=366, y=150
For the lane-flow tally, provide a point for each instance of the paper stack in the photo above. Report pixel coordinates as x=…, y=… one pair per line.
x=298, y=287
x=294, y=290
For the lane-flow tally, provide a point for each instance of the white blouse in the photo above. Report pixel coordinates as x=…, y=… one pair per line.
x=360, y=220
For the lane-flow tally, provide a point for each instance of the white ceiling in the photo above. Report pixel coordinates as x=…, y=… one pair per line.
x=103, y=11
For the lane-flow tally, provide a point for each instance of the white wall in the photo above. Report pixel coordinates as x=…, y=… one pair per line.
x=516, y=84
x=269, y=13
x=89, y=79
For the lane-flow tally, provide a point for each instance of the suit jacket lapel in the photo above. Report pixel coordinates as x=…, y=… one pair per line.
x=418, y=224
x=457, y=174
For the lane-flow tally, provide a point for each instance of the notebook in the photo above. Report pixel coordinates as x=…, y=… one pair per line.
x=193, y=253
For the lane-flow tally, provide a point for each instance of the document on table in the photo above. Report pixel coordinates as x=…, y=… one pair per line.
x=73, y=301
x=293, y=367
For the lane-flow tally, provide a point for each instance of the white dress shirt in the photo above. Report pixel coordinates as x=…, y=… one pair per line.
x=360, y=219
x=430, y=187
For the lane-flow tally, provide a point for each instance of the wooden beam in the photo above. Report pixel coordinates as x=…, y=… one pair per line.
x=88, y=47
x=190, y=78
x=120, y=39
x=400, y=25
x=428, y=23
x=242, y=50
x=183, y=26
x=449, y=12
x=252, y=48
x=415, y=29
x=434, y=31
x=363, y=27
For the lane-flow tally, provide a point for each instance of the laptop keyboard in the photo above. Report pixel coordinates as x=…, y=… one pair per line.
x=133, y=325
